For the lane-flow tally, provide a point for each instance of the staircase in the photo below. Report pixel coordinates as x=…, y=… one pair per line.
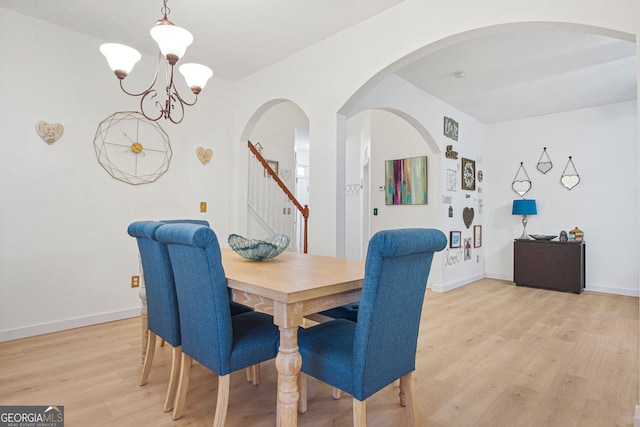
x=272, y=205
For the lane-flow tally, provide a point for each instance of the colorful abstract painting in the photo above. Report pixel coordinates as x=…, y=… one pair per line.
x=406, y=181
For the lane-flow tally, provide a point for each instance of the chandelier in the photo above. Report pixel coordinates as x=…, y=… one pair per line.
x=172, y=43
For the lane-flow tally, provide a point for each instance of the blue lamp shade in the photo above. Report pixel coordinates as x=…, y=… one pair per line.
x=524, y=207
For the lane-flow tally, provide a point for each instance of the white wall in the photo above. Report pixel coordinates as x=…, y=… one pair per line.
x=65, y=257
x=358, y=143
x=604, y=205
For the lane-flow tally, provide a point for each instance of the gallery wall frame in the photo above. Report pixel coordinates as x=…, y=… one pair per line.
x=467, y=248
x=452, y=180
x=450, y=128
x=468, y=174
x=406, y=181
x=455, y=239
x=273, y=164
x=477, y=236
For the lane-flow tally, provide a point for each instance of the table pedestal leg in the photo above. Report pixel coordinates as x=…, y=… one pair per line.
x=288, y=363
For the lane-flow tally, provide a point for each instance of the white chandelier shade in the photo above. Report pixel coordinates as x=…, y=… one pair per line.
x=172, y=40
x=120, y=57
x=196, y=75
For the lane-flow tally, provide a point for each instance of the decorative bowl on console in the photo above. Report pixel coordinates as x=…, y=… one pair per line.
x=542, y=236
x=258, y=250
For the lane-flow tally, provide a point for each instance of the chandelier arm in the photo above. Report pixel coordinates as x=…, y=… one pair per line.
x=180, y=103
x=142, y=106
x=153, y=82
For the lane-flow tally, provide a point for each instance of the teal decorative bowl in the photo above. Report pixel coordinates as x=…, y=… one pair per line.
x=258, y=250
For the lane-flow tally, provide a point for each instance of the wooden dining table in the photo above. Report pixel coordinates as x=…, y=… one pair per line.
x=289, y=287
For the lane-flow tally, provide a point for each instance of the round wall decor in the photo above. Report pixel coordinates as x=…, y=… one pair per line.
x=132, y=148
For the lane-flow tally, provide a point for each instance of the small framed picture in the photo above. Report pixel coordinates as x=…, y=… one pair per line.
x=455, y=239
x=467, y=248
x=273, y=165
x=452, y=180
x=477, y=236
x=450, y=128
x=468, y=174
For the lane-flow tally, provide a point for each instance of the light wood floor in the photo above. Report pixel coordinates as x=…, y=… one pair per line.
x=490, y=354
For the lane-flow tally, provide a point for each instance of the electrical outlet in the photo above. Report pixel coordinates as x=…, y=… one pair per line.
x=135, y=281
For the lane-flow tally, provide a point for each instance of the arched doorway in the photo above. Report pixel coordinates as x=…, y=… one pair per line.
x=280, y=132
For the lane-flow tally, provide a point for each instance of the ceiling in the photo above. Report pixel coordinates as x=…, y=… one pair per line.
x=235, y=38
x=508, y=75
x=528, y=73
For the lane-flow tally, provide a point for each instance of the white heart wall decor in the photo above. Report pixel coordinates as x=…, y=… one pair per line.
x=545, y=167
x=570, y=181
x=204, y=154
x=285, y=173
x=521, y=187
x=49, y=133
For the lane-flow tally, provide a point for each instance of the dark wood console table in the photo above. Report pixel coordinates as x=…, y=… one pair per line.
x=551, y=265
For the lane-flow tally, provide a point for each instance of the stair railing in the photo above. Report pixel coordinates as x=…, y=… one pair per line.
x=303, y=211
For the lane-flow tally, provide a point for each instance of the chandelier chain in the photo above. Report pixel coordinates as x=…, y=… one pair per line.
x=165, y=9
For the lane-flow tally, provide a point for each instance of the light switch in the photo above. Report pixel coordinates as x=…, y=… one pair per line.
x=203, y=206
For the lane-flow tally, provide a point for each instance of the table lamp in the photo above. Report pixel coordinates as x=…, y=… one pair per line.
x=524, y=207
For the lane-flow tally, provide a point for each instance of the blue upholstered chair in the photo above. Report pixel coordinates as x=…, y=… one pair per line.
x=210, y=335
x=162, y=304
x=363, y=357
x=235, y=307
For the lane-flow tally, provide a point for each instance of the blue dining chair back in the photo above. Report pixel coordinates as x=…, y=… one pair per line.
x=162, y=304
x=362, y=357
x=163, y=319
x=210, y=335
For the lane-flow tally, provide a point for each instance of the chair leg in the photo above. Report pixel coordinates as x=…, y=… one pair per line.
x=336, y=393
x=183, y=385
x=223, y=400
x=256, y=374
x=173, y=379
x=407, y=398
x=359, y=413
x=253, y=374
x=302, y=390
x=148, y=358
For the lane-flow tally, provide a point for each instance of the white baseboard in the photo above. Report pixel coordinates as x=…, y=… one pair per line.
x=457, y=284
x=507, y=277
x=610, y=290
x=46, y=328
